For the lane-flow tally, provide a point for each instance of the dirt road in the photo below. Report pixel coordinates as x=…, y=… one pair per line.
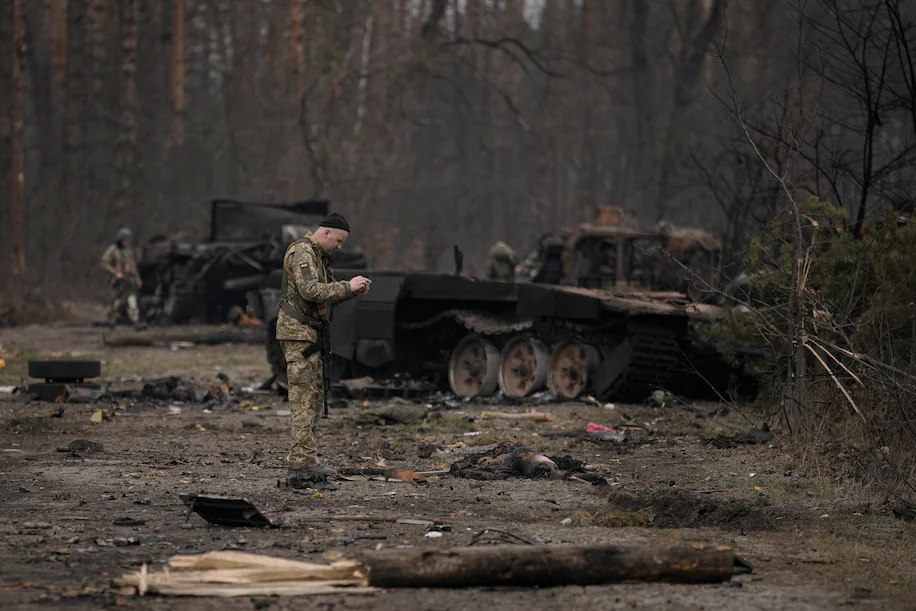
x=814, y=542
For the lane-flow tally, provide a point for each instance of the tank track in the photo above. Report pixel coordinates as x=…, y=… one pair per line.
x=655, y=359
x=653, y=351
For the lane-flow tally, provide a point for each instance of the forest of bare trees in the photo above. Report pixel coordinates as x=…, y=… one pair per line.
x=436, y=122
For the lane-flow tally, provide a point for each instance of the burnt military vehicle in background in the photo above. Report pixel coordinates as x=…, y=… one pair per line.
x=202, y=281
x=617, y=254
x=591, y=318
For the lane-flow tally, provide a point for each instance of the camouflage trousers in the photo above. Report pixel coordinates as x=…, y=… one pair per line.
x=122, y=296
x=306, y=401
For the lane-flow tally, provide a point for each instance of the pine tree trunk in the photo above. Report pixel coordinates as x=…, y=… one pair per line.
x=128, y=148
x=179, y=69
x=297, y=47
x=17, y=176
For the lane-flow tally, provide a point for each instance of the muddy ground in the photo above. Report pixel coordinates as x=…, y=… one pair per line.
x=814, y=542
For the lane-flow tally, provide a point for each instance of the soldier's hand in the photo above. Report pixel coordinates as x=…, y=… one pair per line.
x=119, y=276
x=360, y=285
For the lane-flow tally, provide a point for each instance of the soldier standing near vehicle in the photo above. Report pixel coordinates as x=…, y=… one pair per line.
x=308, y=291
x=501, y=265
x=118, y=261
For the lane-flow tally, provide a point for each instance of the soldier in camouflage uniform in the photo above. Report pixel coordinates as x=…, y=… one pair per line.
x=124, y=280
x=308, y=291
x=501, y=264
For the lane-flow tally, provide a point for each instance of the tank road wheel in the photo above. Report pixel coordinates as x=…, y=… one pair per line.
x=472, y=369
x=569, y=367
x=522, y=367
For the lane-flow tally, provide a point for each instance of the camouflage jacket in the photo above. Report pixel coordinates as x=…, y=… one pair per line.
x=310, y=288
x=116, y=259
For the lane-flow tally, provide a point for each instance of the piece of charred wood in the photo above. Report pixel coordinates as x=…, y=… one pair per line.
x=753, y=436
x=535, y=565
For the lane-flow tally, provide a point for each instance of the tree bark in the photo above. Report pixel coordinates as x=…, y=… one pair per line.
x=17, y=176
x=128, y=152
x=687, y=76
x=547, y=566
x=97, y=12
x=297, y=46
x=179, y=69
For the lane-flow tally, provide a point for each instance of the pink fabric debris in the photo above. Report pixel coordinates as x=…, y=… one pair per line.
x=594, y=428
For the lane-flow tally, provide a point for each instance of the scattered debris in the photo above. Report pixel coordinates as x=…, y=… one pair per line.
x=393, y=413
x=37, y=525
x=385, y=474
x=535, y=416
x=428, y=522
x=57, y=391
x=603, y=433
x=99, y=415
x=661, y=398
x=175, y=388
x=82, y=394
x=128, y=522
x=752, y=436
x=394, y=387
x=425, y=449
x=7, y=390
x=117, y=542
x=224, y=511
x=81, y=445
x=489, y=535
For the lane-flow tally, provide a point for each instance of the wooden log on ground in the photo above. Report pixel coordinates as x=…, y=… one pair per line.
x=522, y=565
x=534, y=416
x=177, y=335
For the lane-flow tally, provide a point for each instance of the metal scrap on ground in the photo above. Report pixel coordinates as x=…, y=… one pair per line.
x=225, y=511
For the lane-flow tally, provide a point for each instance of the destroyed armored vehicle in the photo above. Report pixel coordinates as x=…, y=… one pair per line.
x=617, y=340
x=617, y=255
x=204, y=281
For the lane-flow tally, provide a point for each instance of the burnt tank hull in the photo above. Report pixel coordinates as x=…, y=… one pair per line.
x=479, y=337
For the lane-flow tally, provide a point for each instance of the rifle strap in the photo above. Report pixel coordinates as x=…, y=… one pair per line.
x=300, y=316
x=312, y=349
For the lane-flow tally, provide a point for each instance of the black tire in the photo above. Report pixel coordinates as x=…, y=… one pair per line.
x=65, y=369
x=50, y=391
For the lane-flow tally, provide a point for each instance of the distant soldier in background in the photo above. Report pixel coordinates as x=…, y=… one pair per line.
x=124, y=281
x=501, y=263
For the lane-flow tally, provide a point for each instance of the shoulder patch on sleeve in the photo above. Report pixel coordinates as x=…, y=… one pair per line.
x=303, y=265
